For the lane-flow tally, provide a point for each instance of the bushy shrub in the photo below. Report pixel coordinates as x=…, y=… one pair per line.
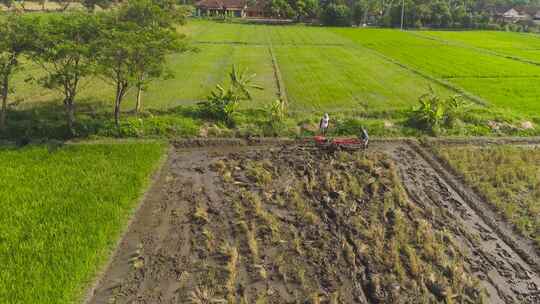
x=432, y=114
x=278, y=110
x=152, y=126
x=429, y=115
x=277, y=113
x=223, y=103
x=348, y=126
x=221, y=106
x=336, y=15
x=456, y=108
x=250, y=130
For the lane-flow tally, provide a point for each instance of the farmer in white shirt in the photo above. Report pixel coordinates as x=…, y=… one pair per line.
x=323, y=125
x=365, y=137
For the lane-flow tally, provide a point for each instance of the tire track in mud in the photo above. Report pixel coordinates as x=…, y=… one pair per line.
x=156, y=251
x=507, y=277
x=525, y=247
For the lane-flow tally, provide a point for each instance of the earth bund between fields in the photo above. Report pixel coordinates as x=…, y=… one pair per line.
x=289, y=223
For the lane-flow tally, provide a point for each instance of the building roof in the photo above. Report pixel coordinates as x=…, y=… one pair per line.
x=519, y=9
x=511, y=13
x=527, y=10
x=520, y=12
x=221, y=4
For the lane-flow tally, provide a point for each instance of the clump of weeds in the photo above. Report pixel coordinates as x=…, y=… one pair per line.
x=232, y=257
x=200, y=215
x=507, y=176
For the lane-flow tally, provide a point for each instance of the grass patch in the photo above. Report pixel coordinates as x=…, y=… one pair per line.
x=461, y=66
x=437, y=58
x=521, y=45
x=519, y=95
x=62, y=211
x=342, y=78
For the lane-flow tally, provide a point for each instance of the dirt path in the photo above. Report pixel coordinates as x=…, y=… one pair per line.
x=180, y=230
x=156, y=250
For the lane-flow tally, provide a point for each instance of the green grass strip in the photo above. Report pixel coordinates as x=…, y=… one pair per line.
x=472, y=47
x=61, y=213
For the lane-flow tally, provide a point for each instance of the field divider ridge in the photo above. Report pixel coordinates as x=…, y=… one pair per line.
x=491, y=77
x=245, y=43
x=474, y=48
x=282, y=92
x=481, y=141
x=476, y=99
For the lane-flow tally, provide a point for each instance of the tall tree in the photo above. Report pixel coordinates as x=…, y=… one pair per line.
x=336, y=15
x=15, y=31
x=133, y=47
x=62, y=49
x=149, y=60
x=155, y=21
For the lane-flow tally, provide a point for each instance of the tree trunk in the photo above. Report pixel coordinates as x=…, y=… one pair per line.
x=70, y=115
x=3, y=113
x=138, y=105
x=120, y=91
x=366, y=15
x=117, y=111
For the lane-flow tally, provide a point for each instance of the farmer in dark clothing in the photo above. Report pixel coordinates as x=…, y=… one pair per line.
x=365, y=137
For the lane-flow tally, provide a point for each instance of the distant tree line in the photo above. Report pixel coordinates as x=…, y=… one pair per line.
x=126, y=47
x=63, y=5
x=417, y=13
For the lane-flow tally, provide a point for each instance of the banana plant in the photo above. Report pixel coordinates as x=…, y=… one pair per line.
x=224, y=102
x=430, y=112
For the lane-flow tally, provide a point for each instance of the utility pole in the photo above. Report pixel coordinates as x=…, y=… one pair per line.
x=402, y=13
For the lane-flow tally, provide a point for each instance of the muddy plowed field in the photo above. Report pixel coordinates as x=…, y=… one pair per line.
x=293, y=224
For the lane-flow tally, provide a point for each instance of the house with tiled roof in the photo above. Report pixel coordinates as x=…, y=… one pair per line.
x=520, y=13
x=231, y=8
x=536, y=17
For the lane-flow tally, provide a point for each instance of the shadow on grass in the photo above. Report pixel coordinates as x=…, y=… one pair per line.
x=47, y=121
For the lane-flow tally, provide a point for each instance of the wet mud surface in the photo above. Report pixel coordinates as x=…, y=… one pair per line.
x=292, y=224
x=502, y=269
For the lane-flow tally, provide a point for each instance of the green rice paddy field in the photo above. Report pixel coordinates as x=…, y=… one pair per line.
x=62, y=212
x=336, y=69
